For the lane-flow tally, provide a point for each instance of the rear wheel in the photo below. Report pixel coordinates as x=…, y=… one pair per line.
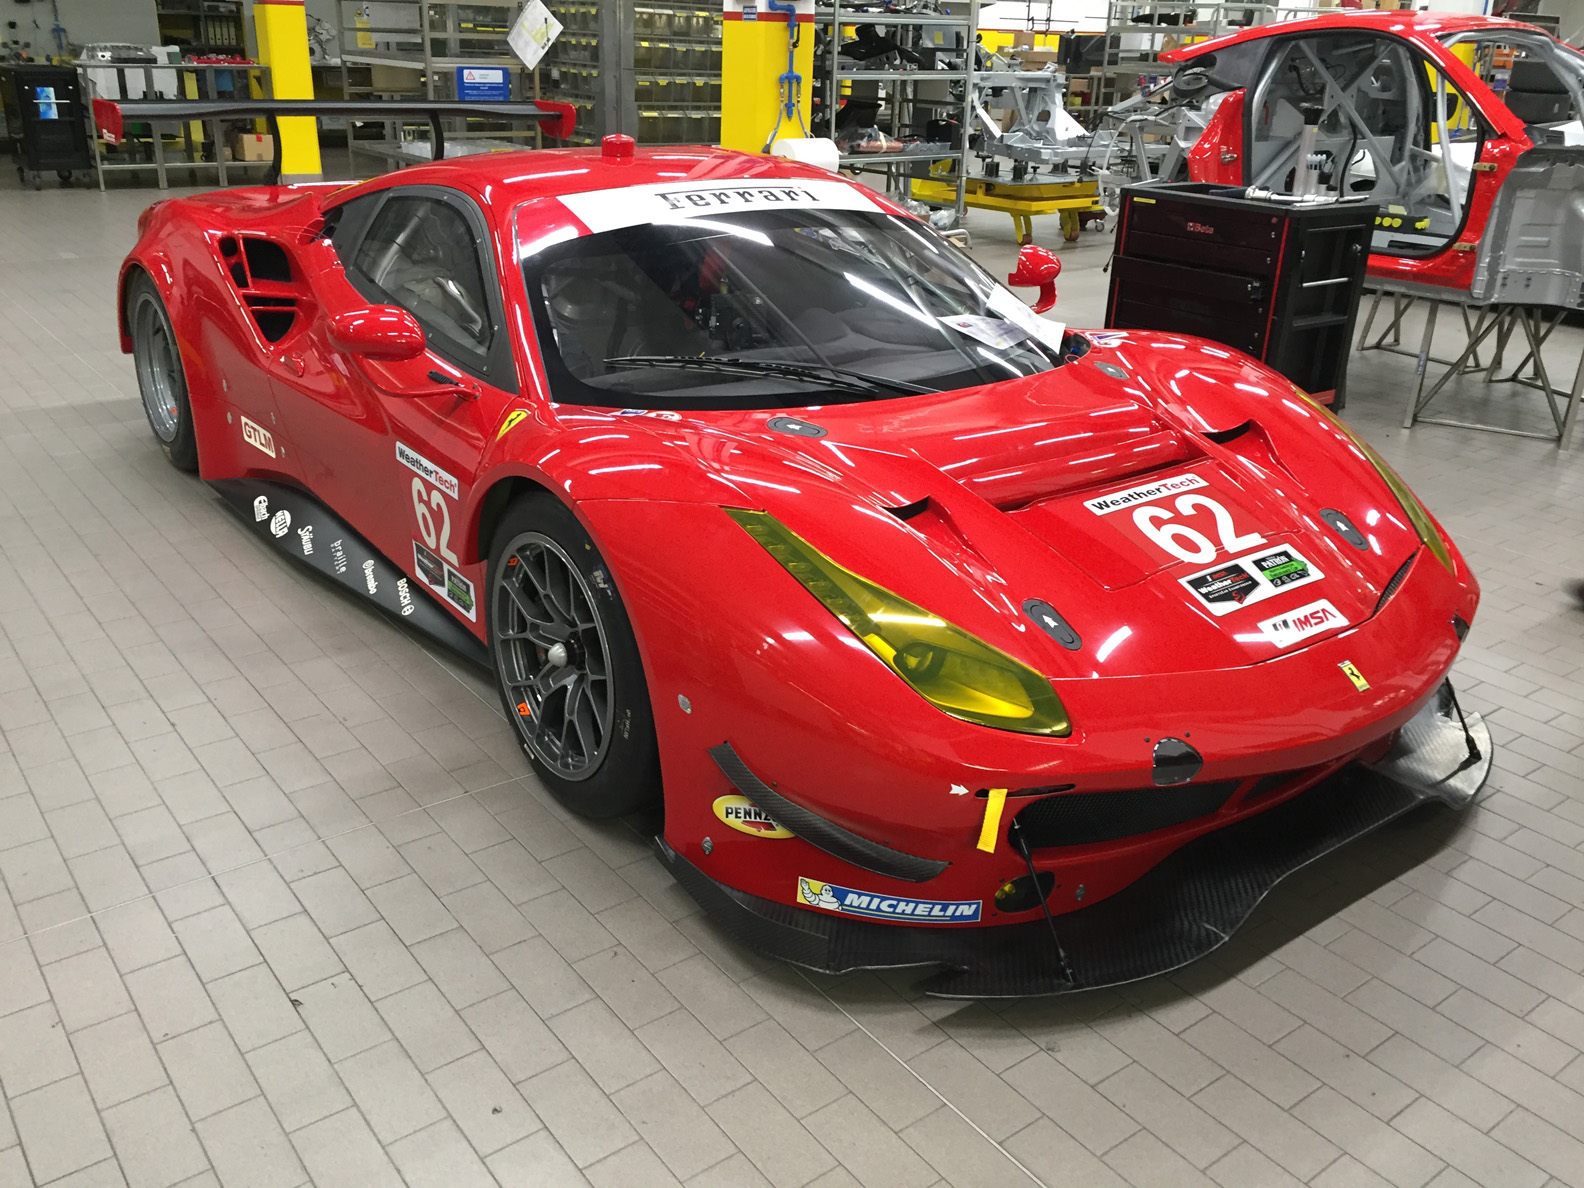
x=567, y=664
x=161, y=379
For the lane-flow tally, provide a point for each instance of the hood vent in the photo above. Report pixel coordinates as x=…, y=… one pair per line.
x=1397, y=579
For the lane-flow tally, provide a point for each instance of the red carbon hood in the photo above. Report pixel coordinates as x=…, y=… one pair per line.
x=973, y=503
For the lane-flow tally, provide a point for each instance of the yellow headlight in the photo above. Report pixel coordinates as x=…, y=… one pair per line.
x=1417, y=516
x=952, y=670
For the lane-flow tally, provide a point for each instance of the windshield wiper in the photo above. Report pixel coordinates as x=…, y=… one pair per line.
x=833, y=377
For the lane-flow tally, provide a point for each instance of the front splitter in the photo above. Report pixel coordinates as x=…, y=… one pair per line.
x=1185, y=907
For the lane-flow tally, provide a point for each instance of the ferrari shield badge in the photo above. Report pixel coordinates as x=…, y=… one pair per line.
x=1350, y=670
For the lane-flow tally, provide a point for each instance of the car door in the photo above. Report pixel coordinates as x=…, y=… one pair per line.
x=397, y=444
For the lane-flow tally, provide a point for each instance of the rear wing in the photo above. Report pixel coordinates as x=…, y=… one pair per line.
x=557, y=120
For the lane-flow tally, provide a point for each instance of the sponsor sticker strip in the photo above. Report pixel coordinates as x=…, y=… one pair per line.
x=1232, y=585
x=1297, y=625
x=1133, y=496
x=427, y=470
x=445, y=581
x=851, y=902
x=666, y=202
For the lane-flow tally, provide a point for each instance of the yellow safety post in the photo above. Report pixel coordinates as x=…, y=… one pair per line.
x=753, y=59
x=282, y=27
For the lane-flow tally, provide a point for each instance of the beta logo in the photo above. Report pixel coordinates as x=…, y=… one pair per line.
x=258, y=437
x=281, y=524
x=849, y=902
x=747, y=817
x=1200, y=228
x=1296, y=625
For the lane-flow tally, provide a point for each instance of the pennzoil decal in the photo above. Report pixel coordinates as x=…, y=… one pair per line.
x=1232, y=585
x=875, y=905
x=747, y=817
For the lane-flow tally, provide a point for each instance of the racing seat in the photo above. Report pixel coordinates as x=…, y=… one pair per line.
x=1536, y=95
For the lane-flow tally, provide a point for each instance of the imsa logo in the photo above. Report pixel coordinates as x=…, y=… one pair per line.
x=1297, y=625
x=747, y=817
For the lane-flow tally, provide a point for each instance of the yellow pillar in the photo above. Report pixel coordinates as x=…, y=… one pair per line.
x=753, y=59
x=282, y=27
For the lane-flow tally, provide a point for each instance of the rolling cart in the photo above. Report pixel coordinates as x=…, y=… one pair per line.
x=43, y=107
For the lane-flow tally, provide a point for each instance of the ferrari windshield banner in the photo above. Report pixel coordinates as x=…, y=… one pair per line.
x=667, y=202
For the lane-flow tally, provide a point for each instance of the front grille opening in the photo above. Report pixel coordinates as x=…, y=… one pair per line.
x=239, y=275
x=1270, y=785
x=1024, y=892
x=1084, y=818
x=267, y=260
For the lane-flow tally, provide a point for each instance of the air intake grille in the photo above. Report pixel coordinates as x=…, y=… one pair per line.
x=1397, y=579
x=1083, y=818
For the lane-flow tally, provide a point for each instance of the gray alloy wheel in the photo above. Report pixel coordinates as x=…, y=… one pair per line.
x=553, y=657
x=158, y=363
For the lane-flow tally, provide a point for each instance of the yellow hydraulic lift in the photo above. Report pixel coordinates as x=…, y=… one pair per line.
x=1070, y=198
x=282, y=28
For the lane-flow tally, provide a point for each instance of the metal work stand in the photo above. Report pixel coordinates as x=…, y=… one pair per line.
x=1481, y=321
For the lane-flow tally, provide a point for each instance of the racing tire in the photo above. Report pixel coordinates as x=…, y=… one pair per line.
x=566, y=663
x=162, y=380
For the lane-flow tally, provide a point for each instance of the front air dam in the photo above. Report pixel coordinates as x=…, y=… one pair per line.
x=1182, y=909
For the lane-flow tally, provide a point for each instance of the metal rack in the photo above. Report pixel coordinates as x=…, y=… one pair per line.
x=650, y=69
x=415, y=47
x=899, y=91
x=190, y=152
x=1137, y=32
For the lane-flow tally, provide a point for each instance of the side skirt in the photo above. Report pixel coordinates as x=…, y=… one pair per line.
x=298, y=525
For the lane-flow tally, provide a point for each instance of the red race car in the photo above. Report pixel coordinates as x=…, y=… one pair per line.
x=941, y=633
x=1465, y=130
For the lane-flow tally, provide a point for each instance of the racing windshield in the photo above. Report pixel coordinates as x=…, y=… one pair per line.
x=774, y=308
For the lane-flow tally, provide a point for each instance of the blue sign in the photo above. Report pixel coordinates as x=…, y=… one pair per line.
x=483, y=84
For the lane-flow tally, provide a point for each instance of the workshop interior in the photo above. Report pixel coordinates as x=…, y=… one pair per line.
x=810, y=593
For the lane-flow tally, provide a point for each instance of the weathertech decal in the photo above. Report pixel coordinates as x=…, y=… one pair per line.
x=887, y=907
x=747, y=817
x=1300, y=624
x=427, y=470
x=1231, y=585
x=666, y=202
x=1133, y=496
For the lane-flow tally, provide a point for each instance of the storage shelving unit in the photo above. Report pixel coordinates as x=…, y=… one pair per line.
x=414, y=47
x=650, y=69
x=908, y=98
x=202, y=28
x=1139, y=31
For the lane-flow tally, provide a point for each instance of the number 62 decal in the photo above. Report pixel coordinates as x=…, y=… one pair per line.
x=425, y=501
x=1189, y=544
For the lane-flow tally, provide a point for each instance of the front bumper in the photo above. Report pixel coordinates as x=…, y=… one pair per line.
x=1182, y=909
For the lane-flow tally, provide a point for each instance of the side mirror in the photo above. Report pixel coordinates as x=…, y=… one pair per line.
x=378, y=332
x=1037, y=266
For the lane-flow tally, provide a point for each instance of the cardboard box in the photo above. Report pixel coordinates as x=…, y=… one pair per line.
x=253, y=146
x=1036, y=59
x=1078, y=85
x=1022, y=39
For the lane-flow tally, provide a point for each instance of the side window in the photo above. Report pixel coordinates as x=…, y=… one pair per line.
x=421, y=254
x=344, y=223
x=1386, y=123
x=1539, y=80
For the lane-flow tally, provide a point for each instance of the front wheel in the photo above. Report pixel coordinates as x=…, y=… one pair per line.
x=567, y=664
x=161, y=378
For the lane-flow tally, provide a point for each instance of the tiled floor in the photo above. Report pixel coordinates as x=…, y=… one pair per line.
x=280, y=904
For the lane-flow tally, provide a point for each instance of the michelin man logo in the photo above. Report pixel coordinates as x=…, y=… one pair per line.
x=817, y=894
